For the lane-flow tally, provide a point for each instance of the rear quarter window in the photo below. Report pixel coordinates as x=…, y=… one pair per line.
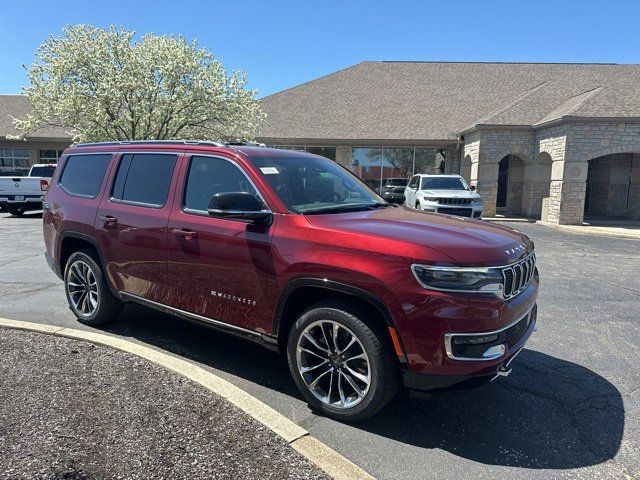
x=83, y=174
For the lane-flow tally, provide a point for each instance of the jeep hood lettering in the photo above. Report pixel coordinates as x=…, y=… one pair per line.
x=468, y=242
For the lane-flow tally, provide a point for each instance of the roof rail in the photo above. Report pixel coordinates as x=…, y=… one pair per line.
x=244, y=144
x=146, y=142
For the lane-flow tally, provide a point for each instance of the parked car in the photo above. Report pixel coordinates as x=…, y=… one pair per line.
x=21, y=194
x=392, y=189
x=447, y=194
x=294, y=252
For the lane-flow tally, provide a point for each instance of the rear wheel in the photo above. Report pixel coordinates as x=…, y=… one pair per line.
x=17, y=211
x=87, y=291
x=342, y=367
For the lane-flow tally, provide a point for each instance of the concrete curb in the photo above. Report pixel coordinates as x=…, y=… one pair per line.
x=324, y=457
x=595, y=230
x=603, y=231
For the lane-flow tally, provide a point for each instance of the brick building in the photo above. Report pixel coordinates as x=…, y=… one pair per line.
x=551, y=141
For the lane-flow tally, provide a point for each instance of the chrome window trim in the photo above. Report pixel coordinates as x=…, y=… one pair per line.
x=448, y=337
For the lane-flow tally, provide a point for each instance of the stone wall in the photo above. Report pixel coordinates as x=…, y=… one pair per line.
x=453, y=163
x=591, y=140
x=344, y=156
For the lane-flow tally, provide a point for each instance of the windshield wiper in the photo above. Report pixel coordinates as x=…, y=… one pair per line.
x=346, y=208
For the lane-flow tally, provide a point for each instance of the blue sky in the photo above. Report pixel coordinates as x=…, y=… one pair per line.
x=282, y=44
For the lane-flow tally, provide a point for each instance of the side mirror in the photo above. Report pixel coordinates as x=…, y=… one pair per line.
x=473, y=188
x=241, y=206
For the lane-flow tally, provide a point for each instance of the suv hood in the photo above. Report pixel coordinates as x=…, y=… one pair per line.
x=468, y=242
x=450, y=193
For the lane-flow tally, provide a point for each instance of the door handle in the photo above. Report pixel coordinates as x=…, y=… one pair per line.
x=109, y=221
x=183, y=232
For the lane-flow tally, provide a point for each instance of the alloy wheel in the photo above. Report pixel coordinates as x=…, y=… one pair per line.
x=333, y=364
x=82, y=288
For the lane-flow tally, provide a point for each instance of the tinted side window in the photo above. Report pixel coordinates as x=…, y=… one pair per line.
x=414, y=182
x=83, y=174
x=144, y=178
x=208, y=176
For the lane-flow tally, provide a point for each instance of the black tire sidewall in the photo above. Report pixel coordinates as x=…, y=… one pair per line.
x=103, y=312
x=17, y=211
x=374, y=346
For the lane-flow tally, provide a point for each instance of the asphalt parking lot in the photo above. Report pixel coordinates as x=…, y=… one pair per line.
x=570, y=408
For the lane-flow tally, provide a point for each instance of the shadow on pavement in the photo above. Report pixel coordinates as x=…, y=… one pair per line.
x=26, y=215
x=549, y=413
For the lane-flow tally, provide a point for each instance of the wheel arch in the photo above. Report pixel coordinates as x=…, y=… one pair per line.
x=302, y=293
x=71, y=242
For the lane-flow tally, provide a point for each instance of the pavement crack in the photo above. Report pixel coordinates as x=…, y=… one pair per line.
x=20, y=259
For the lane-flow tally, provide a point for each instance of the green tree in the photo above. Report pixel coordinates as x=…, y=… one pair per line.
x=103, y=84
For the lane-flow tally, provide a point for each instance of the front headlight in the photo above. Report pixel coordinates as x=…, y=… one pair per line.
x=459, y=279
x=431, y=199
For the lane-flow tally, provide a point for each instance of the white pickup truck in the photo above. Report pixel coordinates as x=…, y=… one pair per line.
x=20, y=194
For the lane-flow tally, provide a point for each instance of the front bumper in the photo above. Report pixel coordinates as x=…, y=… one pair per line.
x=436, y=383
x=427, y=320
x=469, y=211
x=393, y=197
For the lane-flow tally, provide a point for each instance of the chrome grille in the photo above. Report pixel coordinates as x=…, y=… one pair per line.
x=454, y=201
x=518, y=276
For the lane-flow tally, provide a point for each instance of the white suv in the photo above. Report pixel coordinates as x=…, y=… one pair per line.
x=447, y=194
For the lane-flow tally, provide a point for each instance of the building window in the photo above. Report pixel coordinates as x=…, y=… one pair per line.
x=14, y=161
x=376, y=164
x=50, y=156
x=328, y=152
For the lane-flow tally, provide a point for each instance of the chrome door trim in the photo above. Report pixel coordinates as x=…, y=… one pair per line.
x=189, y=315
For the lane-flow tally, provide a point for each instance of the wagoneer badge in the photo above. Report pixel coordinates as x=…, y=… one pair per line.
x=233, y=298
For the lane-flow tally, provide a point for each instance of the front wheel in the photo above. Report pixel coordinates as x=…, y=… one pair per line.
x=342, y=367
x=87, y=291
x=418, y=206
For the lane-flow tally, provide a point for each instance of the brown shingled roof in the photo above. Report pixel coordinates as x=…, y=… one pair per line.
x=437, y=100
x=18, y=106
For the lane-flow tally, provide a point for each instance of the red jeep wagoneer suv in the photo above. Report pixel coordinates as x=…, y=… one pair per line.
x=293, y=251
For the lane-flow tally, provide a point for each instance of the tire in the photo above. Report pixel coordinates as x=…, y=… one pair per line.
x=344, y=403
x=418, y=206
x=81, y=264
x=17, y=211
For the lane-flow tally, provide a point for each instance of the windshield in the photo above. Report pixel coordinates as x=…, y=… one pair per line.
x=310, y=184
x=397, y=182
x=46, y=172
x=443, y=183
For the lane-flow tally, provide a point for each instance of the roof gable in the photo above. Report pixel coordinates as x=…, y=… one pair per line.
x=436, y=101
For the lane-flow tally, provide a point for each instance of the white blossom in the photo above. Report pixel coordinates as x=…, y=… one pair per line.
x=105, y=85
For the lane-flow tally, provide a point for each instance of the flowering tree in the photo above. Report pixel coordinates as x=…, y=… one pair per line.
x=105, y=85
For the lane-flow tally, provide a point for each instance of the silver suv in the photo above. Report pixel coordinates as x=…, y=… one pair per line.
x=448, y=194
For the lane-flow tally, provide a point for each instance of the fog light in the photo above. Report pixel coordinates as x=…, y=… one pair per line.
x=474, y=340
x=495, y=351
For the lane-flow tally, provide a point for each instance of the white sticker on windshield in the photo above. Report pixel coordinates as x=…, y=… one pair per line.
x=269, y=170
